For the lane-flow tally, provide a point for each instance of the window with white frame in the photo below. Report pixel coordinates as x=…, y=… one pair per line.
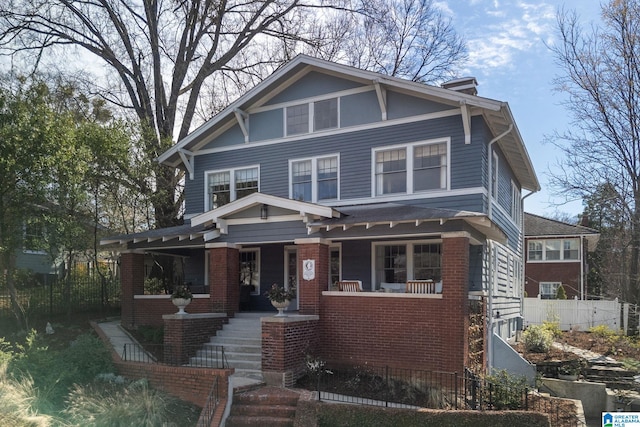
x=250, y=269
x=314, y=179
x=549, y=290
x=397, y=262
x=516, y=204
x=312, y=116
x=335, y=264
x=229, y=185
x=553, y=250
x=411, y=168
x=494, y=176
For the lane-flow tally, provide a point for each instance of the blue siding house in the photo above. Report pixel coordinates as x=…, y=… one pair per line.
x=378, y=171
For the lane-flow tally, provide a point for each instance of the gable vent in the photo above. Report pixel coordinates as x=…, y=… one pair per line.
x=466, y=85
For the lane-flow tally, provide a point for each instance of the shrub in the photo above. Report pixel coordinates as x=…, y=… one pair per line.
x=134, y=404
x=507, y=391
x=537, y=339
x=553, y=327
x=561, y=293
x=603, y=331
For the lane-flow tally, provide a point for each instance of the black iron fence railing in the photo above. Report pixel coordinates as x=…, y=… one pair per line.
x=207, y=356
x=210, y=407
x=407, y=388
x=62, y=296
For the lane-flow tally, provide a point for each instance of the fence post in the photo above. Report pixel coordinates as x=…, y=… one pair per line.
x=386, y=389
x=455, y=387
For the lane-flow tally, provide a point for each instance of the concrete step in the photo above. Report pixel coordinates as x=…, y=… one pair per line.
x=236, y=348
x=237, y=364
x=248, y=421
x=255, y=357
x=239, y=332
x=217, y=340
x=608, y=371
x=252, y=410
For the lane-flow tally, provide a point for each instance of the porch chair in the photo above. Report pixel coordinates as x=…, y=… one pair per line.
x=421, y=287
x=350, y=286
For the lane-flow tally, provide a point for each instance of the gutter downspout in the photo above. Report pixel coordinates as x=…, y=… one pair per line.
x=524, y=251
x=494, y=140
x=491, y=250
x=582, y=261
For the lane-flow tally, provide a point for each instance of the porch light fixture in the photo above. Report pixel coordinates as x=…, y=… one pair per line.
x=264, y=212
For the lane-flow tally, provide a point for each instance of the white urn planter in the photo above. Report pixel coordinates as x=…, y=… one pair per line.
x=280, y=305
x=181, y=303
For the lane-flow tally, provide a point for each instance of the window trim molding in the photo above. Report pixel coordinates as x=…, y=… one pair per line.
x=314, y=177
x=410, y=167
x=232, y=182
x=548, y=283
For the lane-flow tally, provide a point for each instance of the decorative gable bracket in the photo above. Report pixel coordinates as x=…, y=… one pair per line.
x=382, y=98
x=188, y=160
x=242, y=118
x=466, y=121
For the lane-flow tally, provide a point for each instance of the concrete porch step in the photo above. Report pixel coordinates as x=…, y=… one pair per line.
x=235, y=340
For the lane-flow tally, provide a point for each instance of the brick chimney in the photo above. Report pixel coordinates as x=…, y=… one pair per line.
x=466, y=85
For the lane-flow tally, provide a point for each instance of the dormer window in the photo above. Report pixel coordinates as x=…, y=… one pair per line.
x=312, y=116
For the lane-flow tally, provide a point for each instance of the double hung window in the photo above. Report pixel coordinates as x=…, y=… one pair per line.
x=411, y=168
x=229, y=185
x=312, y=116
x=314, y=179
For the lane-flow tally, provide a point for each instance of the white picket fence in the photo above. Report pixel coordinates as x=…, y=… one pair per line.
x=576, y=314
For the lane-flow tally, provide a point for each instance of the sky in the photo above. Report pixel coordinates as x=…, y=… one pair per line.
x=507, y=42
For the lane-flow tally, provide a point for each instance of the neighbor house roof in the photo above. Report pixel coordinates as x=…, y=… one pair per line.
x=538, y=227
x=497, y=114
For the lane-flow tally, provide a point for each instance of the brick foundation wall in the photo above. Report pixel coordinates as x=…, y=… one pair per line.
x=412, y=333
x=286, y=341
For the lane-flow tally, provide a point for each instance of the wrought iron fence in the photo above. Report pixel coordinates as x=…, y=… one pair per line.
x=210, y=407
x=194, y=356
x=407, y=388
x=78, y=293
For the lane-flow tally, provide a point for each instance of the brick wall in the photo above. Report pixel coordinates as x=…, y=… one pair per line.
x=149, y=312
x=286, y=341
x=310, y=291
x=184, y=334
x=189, y=384
x=566, y=272
x=224, y=280
x=132, y=283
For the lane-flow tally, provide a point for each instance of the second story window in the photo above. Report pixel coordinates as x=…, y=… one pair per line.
x=312, y=117
x=315, y=179
x=411, y=169
x=229, y=185
x=554, y=250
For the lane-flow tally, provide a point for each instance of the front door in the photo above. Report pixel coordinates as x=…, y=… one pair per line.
x=291, y=274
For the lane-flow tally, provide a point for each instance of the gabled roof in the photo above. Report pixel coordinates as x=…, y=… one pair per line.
x=496, y=113
x=538, y=226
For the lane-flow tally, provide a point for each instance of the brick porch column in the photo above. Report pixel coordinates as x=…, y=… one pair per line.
x=455, y=290
x=224, y=277
x=131, y=283
x=310, y=291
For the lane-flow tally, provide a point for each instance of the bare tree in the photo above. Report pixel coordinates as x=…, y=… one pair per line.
x=601, y=76
x=160, y=53
x=411, y=39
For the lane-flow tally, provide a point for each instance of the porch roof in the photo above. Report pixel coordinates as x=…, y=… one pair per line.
x=318, y=219
x=392, y=214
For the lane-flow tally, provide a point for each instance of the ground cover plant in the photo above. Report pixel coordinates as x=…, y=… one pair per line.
x=66, y=379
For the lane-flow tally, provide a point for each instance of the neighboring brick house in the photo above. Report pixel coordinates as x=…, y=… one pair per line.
x=557, y=255
x=324, y=173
